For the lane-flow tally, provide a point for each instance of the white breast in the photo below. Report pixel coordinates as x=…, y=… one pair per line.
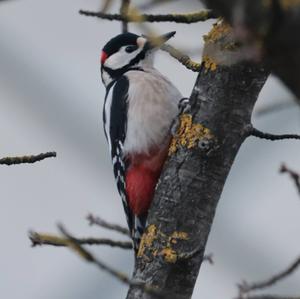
x=152, y=106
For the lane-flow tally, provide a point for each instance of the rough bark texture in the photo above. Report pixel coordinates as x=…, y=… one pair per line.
x=202, y=153
x=270, y=26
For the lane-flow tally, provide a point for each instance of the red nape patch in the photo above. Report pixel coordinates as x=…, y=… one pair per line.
x=103, y=57
x=140, y=186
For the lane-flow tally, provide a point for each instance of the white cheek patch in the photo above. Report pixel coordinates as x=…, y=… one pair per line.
x=121, y=58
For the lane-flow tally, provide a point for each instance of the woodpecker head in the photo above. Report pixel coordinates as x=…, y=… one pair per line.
x=128, y=50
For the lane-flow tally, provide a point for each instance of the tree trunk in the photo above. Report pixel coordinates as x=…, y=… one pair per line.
x=201, y=155
x=270, y=30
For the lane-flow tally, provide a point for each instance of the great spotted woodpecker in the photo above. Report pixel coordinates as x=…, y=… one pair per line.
x=139, y=107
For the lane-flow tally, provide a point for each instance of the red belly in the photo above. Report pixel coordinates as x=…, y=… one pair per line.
x=141, y=179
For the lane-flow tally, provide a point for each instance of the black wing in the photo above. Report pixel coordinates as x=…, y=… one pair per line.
x=115, y=126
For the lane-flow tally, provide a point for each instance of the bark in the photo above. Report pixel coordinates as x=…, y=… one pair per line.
x=201, y=155
x=272, y=28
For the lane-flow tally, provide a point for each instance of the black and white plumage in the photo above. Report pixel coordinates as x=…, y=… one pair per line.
x=140, y=105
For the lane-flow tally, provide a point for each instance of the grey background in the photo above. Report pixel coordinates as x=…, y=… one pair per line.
x=51, y=99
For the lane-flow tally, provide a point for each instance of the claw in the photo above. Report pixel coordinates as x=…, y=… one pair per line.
x=184, y=105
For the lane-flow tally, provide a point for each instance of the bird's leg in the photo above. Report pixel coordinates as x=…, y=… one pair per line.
x=183, y=107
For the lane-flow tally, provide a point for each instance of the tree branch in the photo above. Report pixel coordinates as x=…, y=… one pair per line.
x=187, y=18
x=294, y=175
x=272, y=137
x=245, y=288
x=48, y=239
x=26, y=159
x=182, y=58
x=124, y=12
x=95, y=220
x=89, y=257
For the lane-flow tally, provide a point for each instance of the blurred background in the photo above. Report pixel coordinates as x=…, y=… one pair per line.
x=51, y=99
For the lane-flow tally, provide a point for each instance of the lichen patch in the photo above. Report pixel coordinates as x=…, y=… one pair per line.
x=209, y=63
x=168, y=252
x=217, y=32
x=179, y=235
x=147, y=239
x=188, y=134
x=169, y=255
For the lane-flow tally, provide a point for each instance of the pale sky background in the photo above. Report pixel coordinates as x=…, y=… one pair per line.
x=51, y=99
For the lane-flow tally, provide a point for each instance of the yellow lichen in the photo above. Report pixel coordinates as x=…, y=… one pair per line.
x=217, y=32
x=194, y=16
x=168, y=252
x=220, y=47
x=169, y=255
x=180, y=235
x=209, y=63
x=188, y=134
x=147, y=239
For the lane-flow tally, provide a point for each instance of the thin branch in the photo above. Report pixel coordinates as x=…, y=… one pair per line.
x=182, y=58
x=26, y=159
x=89, y=257
x=208, y=258
x=124, y=12
x=186, y=18
x=272, y=137
x=47, y=239
x=293, y=174
x=38, y=239
x=95, y=220
x=246, y=288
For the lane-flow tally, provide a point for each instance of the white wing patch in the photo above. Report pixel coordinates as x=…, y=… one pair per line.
x=107, y=118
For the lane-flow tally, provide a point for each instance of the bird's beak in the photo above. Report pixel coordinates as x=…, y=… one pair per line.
x=156, y=42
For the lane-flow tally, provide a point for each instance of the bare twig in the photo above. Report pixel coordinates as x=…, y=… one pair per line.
x=47, y=239
x=246, y=288
x=124, y=12
x=293, y=174
x=95, y=220
x=182, y=58
x=186, y=18
x=208, y=258
x=89, y=257
x=26, y=159
x=272, y=137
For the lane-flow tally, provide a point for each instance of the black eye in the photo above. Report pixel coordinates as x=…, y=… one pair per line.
x=130, y=49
